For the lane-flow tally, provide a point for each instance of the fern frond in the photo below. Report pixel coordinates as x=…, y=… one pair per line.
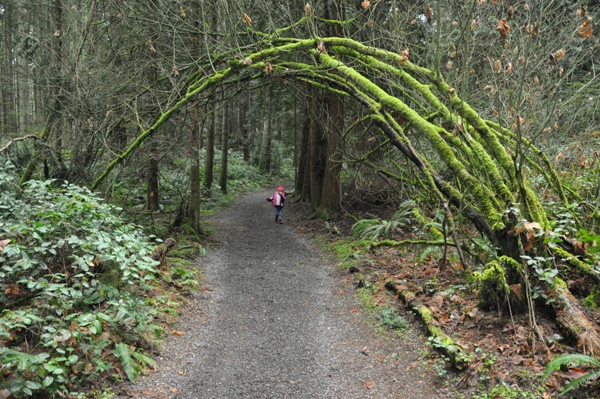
x=583, y=379
x=569, y=358
x=358, y=228
x=123, y=352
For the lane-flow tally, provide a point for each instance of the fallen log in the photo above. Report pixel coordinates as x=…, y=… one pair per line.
x=571, y=317
x=440, y=340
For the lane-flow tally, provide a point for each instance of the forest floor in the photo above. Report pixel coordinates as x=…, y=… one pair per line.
x=276, y=317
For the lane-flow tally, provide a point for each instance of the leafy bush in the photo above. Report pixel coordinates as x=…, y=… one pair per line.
x=71, y=271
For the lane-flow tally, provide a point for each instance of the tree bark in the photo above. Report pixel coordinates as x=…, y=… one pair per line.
x=331, y=197
x=152, y=199
x=7, y=121
x=224, y=146
x=244, y=131
x=210, y=149
x=264, y=162
x=303, y=181
x=316, y=150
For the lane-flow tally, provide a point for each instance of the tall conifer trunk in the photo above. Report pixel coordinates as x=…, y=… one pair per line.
x=225, y=127
x=194, y=210
x=331, y=195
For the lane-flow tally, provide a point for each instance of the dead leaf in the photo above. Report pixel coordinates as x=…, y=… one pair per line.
x=516, y=289
x=431, y=270
x=307, y=9
x=3, y=245
x=585, y=30
x=428, y=12
x=404, y=55
x=268, y=68
x=574, y=373
x=321, y=47
x=503, y=28
x=369, y=384
x=502, y=347
x=438, y=301
x=247, y=19
x=178, y=332
x=150, y=394
x=498, y=66
x=559, y=54
x=12, y=289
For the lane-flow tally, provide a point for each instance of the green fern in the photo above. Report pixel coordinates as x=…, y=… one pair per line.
x=428, y=251
x=359, y=228
x=577, y=359
x=123, y=352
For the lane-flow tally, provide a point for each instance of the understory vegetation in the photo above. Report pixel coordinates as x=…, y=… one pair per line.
x=86, y=296
x=402, y=256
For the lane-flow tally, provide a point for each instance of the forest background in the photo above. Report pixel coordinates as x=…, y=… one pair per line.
x=469, y=125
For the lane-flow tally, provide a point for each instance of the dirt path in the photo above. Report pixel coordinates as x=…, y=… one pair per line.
x=279, y=322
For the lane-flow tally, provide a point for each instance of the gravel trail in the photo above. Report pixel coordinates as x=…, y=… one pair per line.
x=278, y=321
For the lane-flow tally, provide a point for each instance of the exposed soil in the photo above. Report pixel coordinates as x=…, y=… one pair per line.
x=275, y=319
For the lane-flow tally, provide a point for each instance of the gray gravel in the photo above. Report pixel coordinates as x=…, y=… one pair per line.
x=276, y=320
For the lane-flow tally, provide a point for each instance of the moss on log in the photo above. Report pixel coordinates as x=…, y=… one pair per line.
x=440, y=340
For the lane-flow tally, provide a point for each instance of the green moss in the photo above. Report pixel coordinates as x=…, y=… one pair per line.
x=426, y=315
x=345, y=249
x=593, y=299
x=175, y=261
x=573, y=260
x=510, y=264
x=559, y=283
x=492, y=285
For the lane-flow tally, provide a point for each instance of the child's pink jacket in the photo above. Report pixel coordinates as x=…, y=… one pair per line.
x=278, y=199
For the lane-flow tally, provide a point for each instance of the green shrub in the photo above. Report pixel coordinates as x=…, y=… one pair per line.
x=71, y=269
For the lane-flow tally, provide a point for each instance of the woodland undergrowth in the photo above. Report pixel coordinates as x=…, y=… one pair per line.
x=508, y=346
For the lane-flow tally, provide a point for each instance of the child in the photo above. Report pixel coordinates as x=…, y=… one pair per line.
x=277, y=200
